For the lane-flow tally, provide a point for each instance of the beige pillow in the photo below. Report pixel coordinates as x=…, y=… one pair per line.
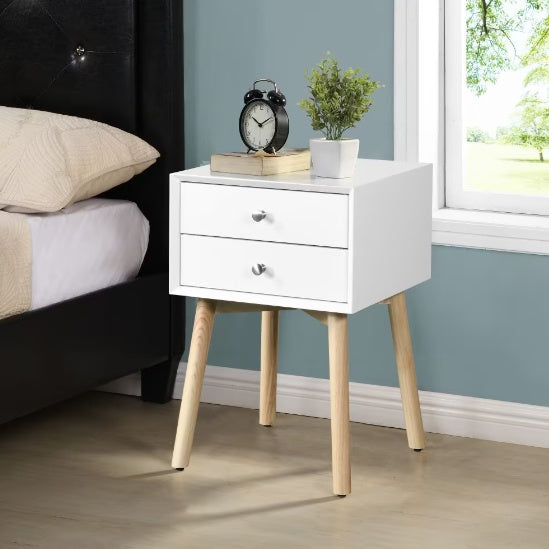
x=48, y=161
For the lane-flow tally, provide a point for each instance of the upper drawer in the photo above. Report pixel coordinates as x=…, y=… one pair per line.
x=290, y=216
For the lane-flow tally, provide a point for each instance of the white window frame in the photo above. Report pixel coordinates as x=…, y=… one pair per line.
x=419, y=134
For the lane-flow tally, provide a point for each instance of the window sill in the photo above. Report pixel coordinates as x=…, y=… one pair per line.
x=491, y=231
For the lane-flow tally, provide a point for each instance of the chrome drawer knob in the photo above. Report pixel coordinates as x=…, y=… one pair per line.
x=258, y=269
x=258, y=215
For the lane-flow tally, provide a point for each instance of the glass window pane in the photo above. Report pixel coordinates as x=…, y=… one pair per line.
x=506, y=103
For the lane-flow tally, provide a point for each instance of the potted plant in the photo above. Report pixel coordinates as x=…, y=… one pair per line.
x=338, y=101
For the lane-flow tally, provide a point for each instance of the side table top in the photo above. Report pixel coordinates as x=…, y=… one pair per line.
x=367, y=171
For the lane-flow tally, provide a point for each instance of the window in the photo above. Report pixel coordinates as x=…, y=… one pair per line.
x=472, y=96
x=497, y=105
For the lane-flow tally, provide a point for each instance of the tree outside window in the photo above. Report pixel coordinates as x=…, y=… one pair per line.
x=507, y=98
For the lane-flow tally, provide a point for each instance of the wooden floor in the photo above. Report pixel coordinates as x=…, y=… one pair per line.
x=94, y=473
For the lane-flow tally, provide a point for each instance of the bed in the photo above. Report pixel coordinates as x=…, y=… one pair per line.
x=118, y=62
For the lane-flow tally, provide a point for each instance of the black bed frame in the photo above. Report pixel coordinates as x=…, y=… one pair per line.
x=120, y=62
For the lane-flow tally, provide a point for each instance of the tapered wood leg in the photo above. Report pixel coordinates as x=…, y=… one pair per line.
x=198, y=354
x=269, y=357
x=406, y=371
x=339, y=403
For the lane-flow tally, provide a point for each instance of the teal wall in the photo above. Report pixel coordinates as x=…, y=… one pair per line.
x=231, y=43
x=480, y=327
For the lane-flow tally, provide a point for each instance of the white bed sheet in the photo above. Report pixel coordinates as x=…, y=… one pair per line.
x=85, y=247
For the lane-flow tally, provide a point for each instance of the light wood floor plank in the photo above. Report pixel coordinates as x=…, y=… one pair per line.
x=95, y=472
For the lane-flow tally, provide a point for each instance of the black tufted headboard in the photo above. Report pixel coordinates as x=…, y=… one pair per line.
x=117, y=61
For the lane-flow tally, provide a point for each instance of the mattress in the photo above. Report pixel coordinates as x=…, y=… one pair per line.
x=85, y=247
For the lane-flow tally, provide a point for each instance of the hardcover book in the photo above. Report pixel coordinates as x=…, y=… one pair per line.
x=262, y=163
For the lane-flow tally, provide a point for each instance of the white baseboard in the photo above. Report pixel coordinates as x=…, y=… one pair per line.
x=442, y=413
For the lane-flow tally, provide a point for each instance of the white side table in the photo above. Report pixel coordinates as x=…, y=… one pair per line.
x=293, y=241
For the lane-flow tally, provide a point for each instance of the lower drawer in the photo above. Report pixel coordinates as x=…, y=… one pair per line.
x=309, y=272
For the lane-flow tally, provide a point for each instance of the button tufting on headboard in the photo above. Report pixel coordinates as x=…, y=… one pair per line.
x=40, y=44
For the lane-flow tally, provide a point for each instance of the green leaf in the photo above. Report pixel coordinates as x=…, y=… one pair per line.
x=338, y=99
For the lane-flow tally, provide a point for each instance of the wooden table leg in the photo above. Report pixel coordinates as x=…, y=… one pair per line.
x=404, y=357
x=339, y=402
x=196, y=365
x=269, y=357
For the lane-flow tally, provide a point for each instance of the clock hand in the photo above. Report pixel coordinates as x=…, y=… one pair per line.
x=270, y=118
x=260, y=124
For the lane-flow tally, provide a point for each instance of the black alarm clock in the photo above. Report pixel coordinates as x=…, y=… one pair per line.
x=264, y=123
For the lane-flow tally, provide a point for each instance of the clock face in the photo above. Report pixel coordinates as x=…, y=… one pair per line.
x=257, y=124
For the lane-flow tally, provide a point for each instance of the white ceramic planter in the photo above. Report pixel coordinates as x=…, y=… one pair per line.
x=335, y=159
